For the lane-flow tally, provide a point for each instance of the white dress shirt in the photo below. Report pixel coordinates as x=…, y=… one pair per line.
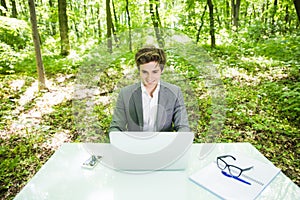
x=150, y=105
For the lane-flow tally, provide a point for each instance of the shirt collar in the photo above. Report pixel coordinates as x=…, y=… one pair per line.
x=155, y=91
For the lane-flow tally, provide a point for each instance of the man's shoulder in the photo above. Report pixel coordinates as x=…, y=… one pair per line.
x=169, y=86
x=131, y=88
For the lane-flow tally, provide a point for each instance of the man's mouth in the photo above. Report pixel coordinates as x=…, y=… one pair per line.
x=150, y=82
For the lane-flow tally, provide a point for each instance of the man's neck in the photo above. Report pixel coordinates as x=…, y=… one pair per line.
x=150, y=90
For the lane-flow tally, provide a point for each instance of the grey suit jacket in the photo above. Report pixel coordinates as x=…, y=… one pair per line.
x=171, y=112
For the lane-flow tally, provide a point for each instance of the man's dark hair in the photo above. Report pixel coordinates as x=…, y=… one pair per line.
x=148, y=54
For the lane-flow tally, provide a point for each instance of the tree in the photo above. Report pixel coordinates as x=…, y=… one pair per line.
x=99, y=22
x=274, y=11
x=235, y=7
x=115, y=17
x=114, y=27
x=129, y=26
x=63, y=27
x=3, y=8
x=108, y=26
x=36, y=41
x=53, y=18
x=297, y=7
x=212, y=24
x=156, y=22
x=14, y=12
x=201, y=24
x=227, y=14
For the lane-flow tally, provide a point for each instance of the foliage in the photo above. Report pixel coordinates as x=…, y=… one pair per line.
x=60, y=119
x=24, y=63
x=14, y=32
x=21, y=157
x=8, y=58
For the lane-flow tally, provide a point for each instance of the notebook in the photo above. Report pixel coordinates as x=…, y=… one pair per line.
x=248, y=186
x=150, y=151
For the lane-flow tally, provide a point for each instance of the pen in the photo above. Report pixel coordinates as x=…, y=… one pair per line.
x=237, y=178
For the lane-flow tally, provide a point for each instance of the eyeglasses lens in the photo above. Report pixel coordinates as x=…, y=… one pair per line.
x=221, y=164
x=234, y=171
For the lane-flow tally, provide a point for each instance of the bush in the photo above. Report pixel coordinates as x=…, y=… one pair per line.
x=14, y=32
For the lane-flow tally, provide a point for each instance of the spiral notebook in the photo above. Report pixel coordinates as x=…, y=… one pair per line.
x=247, y=186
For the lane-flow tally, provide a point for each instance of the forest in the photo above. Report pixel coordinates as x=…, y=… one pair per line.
x=63, y=62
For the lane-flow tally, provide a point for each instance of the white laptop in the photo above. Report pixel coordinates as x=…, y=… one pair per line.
x=150, y=151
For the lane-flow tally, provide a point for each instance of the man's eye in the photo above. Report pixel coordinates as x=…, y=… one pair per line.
x=155, y=72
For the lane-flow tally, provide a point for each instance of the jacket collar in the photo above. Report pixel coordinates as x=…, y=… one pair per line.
x=162, y=103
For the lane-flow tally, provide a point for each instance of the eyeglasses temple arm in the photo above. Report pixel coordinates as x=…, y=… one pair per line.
x=248, y=168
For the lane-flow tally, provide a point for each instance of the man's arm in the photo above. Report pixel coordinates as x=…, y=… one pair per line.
x=180, y=117
x=119, y=120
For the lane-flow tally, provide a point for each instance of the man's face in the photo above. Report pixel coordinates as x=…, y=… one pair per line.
x=150, y=74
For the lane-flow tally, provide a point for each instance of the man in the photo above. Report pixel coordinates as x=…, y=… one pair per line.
x=150, y=105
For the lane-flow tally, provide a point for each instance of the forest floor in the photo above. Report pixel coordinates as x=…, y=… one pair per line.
x=25, y=120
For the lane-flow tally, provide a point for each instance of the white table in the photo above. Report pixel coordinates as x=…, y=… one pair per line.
x=63, y=178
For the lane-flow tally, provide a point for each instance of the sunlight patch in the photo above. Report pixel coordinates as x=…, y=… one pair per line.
x=28, y=120
x=57, y=140
x=17, y=84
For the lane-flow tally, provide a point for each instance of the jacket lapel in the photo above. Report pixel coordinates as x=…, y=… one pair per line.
x=138, y=105
x=162, y=105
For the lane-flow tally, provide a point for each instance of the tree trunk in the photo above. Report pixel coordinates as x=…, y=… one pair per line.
x=115, y=16
x=129, y=26
x=252, y=15
x=14, y=12
x=235, y=4
x=262, y=14
x=156, y=22
x=52, y=23
x=227, y=14
x=287, y=18
x=114, y=32
x=3, y=4
x=255, y=13
x=201, y=24
x=211, y=22
x=63, y=27
x=266, y=10
x=109, y=26
x=297, y=7
x=36, y=41
x=157, y=13
x=232, y=12
x=99, y=23
x=273, y=14
x=85, y=20
x=218, y=17
x=246, y=9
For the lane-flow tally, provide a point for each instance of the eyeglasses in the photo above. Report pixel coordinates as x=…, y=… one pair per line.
x=233, y=170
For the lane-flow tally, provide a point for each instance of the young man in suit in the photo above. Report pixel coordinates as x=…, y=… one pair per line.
x=151, y=104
